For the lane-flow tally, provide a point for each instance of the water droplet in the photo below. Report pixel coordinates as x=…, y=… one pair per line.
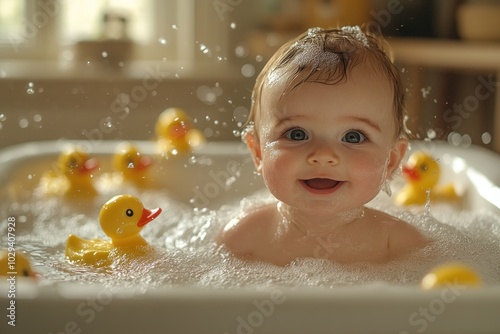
x=236, y=133
x=23, y=123
x=205, y=49
x=454, y=138
x=207, y=118
x=486, y=138
x=31, y=84
x=216, y=122
x=2, y=117
x=431, y=134
x=240, y=114
x=466, y=141
x=89, y=63
x=240, y=51
x=425, y=91
x=162, y=41
x=30, y=176
x=175, y=27
x=104, y=54
x=248, y=70
x=208, y=132
x=119, y=231
x=30, y=91
x=259, y=58
x=37, y=118
x=233, y=25
x=192, y=159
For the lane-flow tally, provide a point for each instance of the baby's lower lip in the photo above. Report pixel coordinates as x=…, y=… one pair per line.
x=320, y=185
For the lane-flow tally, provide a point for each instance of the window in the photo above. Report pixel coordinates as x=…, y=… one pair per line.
x=160, y=29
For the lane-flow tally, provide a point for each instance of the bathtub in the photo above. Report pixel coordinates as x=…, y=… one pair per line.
x=222, y=173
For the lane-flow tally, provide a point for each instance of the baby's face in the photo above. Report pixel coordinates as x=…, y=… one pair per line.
x=328, y=147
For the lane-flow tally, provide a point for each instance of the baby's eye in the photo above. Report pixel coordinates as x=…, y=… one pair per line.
x=296, y=134
x=354, y=137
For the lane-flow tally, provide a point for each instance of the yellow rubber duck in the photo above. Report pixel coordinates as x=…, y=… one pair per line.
x=422, y=174
x=15, y=264
x=131, y=164
x=72, y=175
x=449, y=274
x=122, y=219
x=176, y=134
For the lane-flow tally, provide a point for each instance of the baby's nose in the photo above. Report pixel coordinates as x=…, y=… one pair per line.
x=323, y=155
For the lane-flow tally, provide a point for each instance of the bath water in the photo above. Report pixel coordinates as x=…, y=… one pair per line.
x=187, y=255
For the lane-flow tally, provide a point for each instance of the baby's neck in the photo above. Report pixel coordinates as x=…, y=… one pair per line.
x=312, y=224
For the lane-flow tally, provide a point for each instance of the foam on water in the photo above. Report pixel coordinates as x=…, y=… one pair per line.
x=186, y=252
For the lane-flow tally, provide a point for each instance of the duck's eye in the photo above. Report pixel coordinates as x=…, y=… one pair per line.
x=26, y=273
x=296, y=134
x=129, y=213
x=354, y=137
x=424, y=167
x=130, y=163
x=72, y=163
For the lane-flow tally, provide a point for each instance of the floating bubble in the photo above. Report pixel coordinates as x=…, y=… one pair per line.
x=240, y=51
x=454, y=138
x=163, y=41
x=23, y=123
x=248, y=70
x=2, y=117
x=466, y=141
x=175, y=27
x=104, y=54
x=431, y=134
x=233, y=25
x=240, y=113
x=37, y=118
x=486, y=138
x=259, y=58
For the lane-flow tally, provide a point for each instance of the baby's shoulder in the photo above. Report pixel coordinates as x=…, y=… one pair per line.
x=247, y=229
x=402, y=235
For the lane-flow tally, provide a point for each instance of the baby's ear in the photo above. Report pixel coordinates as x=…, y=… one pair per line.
x=252, y=141
x=396, y=155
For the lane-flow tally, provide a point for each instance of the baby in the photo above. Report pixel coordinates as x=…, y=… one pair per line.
x=327, y=135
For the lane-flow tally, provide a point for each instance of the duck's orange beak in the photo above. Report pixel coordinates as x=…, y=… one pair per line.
x=148, y=215
x=144, y=162
x=411, y=173
x=89, y=165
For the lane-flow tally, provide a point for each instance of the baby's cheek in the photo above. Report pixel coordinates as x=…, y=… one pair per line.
x=370, y=172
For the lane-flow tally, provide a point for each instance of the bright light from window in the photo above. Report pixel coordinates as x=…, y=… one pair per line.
x=84, y=20
x=11, y=25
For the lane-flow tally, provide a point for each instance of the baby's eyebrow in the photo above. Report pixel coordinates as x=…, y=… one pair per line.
x=367, y=121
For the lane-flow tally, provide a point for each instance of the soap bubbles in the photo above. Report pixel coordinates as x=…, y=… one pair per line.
x=248, y=70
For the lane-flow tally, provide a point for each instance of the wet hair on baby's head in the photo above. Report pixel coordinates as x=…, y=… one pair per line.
x=327, y=56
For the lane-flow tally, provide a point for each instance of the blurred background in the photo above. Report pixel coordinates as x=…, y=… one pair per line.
x=105, y=69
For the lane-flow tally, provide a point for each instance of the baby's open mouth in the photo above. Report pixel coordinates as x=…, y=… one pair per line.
x=320, y=185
